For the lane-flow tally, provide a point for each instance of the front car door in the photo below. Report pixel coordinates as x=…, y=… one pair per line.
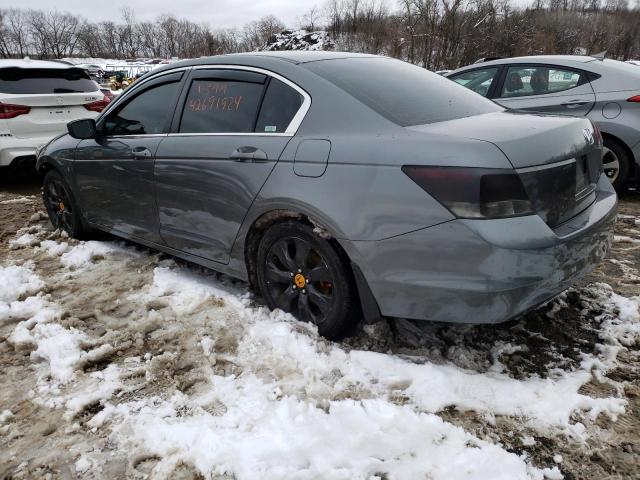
x=546, y=89
x=230, y=129
x=114, y=171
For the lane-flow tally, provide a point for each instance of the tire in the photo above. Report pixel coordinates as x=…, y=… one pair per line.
x=302, y=274
x=61, y=207
x=614, y=154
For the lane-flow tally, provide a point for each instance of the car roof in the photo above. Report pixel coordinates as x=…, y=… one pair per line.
x=27, y=63
x=559, y=59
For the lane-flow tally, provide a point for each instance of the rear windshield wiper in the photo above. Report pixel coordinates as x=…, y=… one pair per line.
x=66, y=90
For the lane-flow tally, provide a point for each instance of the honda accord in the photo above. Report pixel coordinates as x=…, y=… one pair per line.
x=341, y=186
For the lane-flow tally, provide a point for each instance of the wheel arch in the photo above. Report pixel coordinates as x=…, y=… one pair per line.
x=632, y=160
x=368, y=305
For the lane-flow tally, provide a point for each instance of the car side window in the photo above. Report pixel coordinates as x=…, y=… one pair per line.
x=145, y=114
x=477, y=80
x=538, y=80
x=221, y=106
x=280, y=104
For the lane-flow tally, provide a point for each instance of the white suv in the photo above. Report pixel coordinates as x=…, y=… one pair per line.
x=37, y=100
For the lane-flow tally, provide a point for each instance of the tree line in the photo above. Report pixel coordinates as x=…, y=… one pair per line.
x=435, y=34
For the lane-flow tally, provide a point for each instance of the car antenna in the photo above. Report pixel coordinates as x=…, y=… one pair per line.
x=600, y=56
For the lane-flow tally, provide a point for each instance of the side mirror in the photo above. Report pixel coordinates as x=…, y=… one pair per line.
x=82, y=129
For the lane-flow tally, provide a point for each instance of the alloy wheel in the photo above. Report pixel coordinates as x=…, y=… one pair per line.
x=58, y=204
x=299, y=280
x=610, y=163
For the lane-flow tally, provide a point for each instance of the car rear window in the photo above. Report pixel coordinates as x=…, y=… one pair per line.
x=280, y=105
x=17, y=80
x=403, y=93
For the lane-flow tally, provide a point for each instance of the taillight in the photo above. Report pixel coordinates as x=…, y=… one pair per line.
x=8, y=110
x=635, y=99
x=98, y=105
x=470, y=192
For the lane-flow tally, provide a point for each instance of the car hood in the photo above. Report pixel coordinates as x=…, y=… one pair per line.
x=526, y=139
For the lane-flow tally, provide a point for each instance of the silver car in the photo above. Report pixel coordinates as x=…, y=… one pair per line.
x=605, y=91
x=338, y=188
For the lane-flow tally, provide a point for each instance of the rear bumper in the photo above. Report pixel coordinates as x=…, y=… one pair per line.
x=485, y=271
x=12, y=148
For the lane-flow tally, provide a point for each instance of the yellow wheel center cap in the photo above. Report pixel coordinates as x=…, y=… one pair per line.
x=299, y=280
x=61, y=206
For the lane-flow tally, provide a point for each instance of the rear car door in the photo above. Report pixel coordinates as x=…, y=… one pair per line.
x=114, y=171
x=546, y=89
x=233, y=126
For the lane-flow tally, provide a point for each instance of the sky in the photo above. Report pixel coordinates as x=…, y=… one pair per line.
x=217, y=13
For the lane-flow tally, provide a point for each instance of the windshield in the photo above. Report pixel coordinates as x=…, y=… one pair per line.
x=403, y=93
x=45, y=80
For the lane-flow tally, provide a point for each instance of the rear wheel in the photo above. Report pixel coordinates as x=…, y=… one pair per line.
x=61, y=208
x=303, y=274
x=615, y=162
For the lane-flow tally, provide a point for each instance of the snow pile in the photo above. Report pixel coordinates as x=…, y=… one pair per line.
x=262, y=436
x=54, y=249
x=299, y=40
x=25, y=240
x=16, y=281
x=50, y=341
x=87, y=252
x=59, y=347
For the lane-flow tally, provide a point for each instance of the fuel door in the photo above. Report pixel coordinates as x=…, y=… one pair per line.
x=311, y=158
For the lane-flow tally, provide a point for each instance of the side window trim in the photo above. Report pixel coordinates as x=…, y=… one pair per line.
x=169, y=77
x=291, y=129
x=584, y=78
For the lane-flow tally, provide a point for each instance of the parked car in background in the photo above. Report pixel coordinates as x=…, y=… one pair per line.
x=94, y=71
x=606, y=91
x=337, y=187
x=37, y=100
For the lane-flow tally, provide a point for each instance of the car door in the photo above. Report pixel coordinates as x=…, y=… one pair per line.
x=480, y=80
x=546, y=89
x=232, y=127
x=114, y=171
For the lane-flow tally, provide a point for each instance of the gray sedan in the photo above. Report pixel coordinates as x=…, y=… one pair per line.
x=340, y=186
x=606, y=91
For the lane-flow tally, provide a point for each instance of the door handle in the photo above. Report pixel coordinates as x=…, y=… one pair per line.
x=574, y=103
x=141, y=152
x=248, y=154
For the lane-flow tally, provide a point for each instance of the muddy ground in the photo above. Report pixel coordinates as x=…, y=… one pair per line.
x=44, y=441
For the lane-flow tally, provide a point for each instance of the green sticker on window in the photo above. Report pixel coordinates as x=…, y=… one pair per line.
x=270, y=128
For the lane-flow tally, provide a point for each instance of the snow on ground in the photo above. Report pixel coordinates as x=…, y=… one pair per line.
x=173, y=365
x=273, y=399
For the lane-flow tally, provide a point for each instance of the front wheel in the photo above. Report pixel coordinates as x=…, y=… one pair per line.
x=303, y=274
x=61, y=207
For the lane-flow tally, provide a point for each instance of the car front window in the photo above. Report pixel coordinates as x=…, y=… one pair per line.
x=145, y=114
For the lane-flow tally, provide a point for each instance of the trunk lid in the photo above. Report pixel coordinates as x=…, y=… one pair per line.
x=558, y=158
x=48, y=114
